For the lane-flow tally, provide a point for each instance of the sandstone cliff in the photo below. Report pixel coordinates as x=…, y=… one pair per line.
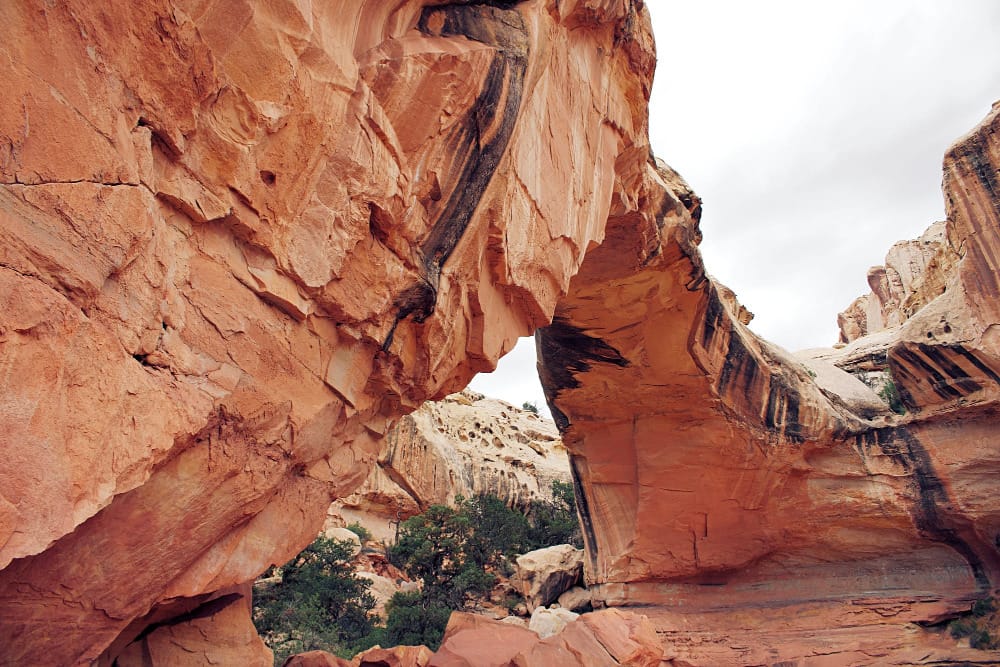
x=915, y=273
x=239, y=240
x=465, y=444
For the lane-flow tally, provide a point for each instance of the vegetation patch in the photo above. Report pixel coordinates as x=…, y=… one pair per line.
x=981, y=625
x=318, y=603
x=458, y=554
x=890, y=394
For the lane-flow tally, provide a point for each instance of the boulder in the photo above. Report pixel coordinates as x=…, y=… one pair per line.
x=576, y=599
x=545, y=574
x=397, y=656
x=546, y=622
x=471, y=640
x=600, y=639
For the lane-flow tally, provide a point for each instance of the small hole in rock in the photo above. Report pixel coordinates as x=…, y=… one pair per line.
x=268, y=177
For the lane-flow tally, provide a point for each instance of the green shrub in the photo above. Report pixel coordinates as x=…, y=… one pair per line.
x=979, y=624
x=890, y=394
x=416, y=618
x=363, y=533
x=319, y=603
x=456, y=552
x=983, y=607
x=556, y=521
x=529, y=406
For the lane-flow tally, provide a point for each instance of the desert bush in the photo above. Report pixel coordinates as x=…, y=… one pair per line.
x=556, y=521
x=319, y=603
x=363, y=533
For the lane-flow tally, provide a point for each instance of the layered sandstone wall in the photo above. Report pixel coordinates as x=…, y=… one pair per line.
x=463, y=445
x=239, y=240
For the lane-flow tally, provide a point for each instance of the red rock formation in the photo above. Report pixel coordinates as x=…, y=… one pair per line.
x=718, y=475
x=239, y=239
x=606, y=638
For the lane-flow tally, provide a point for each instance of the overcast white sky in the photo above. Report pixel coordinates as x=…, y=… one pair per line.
x=814, y=133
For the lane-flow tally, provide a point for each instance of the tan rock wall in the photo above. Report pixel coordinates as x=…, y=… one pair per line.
x=464, y=445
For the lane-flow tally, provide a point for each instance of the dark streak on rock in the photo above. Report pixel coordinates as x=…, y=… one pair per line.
x=976, y=361
x=933, y=514
x=979, y=163
x=950, y=383
x=417, y=300
x=714, y=315
x=974, y=155
x=583, y=507
x=740, y=367
x=496, y=24
x=504, y=84
x=563, y=351
x=907, y=356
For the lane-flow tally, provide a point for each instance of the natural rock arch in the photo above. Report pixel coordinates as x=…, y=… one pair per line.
x=241, y=238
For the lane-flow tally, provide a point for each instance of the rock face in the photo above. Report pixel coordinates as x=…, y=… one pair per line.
x=465, y=444
x=240, y=239
x=721, y=475
x=546, y=622
x=914, y=274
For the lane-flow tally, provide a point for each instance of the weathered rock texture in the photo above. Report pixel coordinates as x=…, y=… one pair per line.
x=465, y=445
x=914, y=274
x=606, y=638
x=545, y=574
x=722, y=476
x=240, y=239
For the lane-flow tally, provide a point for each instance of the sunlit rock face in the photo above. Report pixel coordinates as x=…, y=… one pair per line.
x=718, y=474
x=239, y=240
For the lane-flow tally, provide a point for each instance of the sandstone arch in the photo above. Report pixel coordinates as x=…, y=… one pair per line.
x=240, y=238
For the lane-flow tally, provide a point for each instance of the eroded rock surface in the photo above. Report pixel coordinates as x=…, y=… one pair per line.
x=238, y=240
x=465, y=444
x=722, y=475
